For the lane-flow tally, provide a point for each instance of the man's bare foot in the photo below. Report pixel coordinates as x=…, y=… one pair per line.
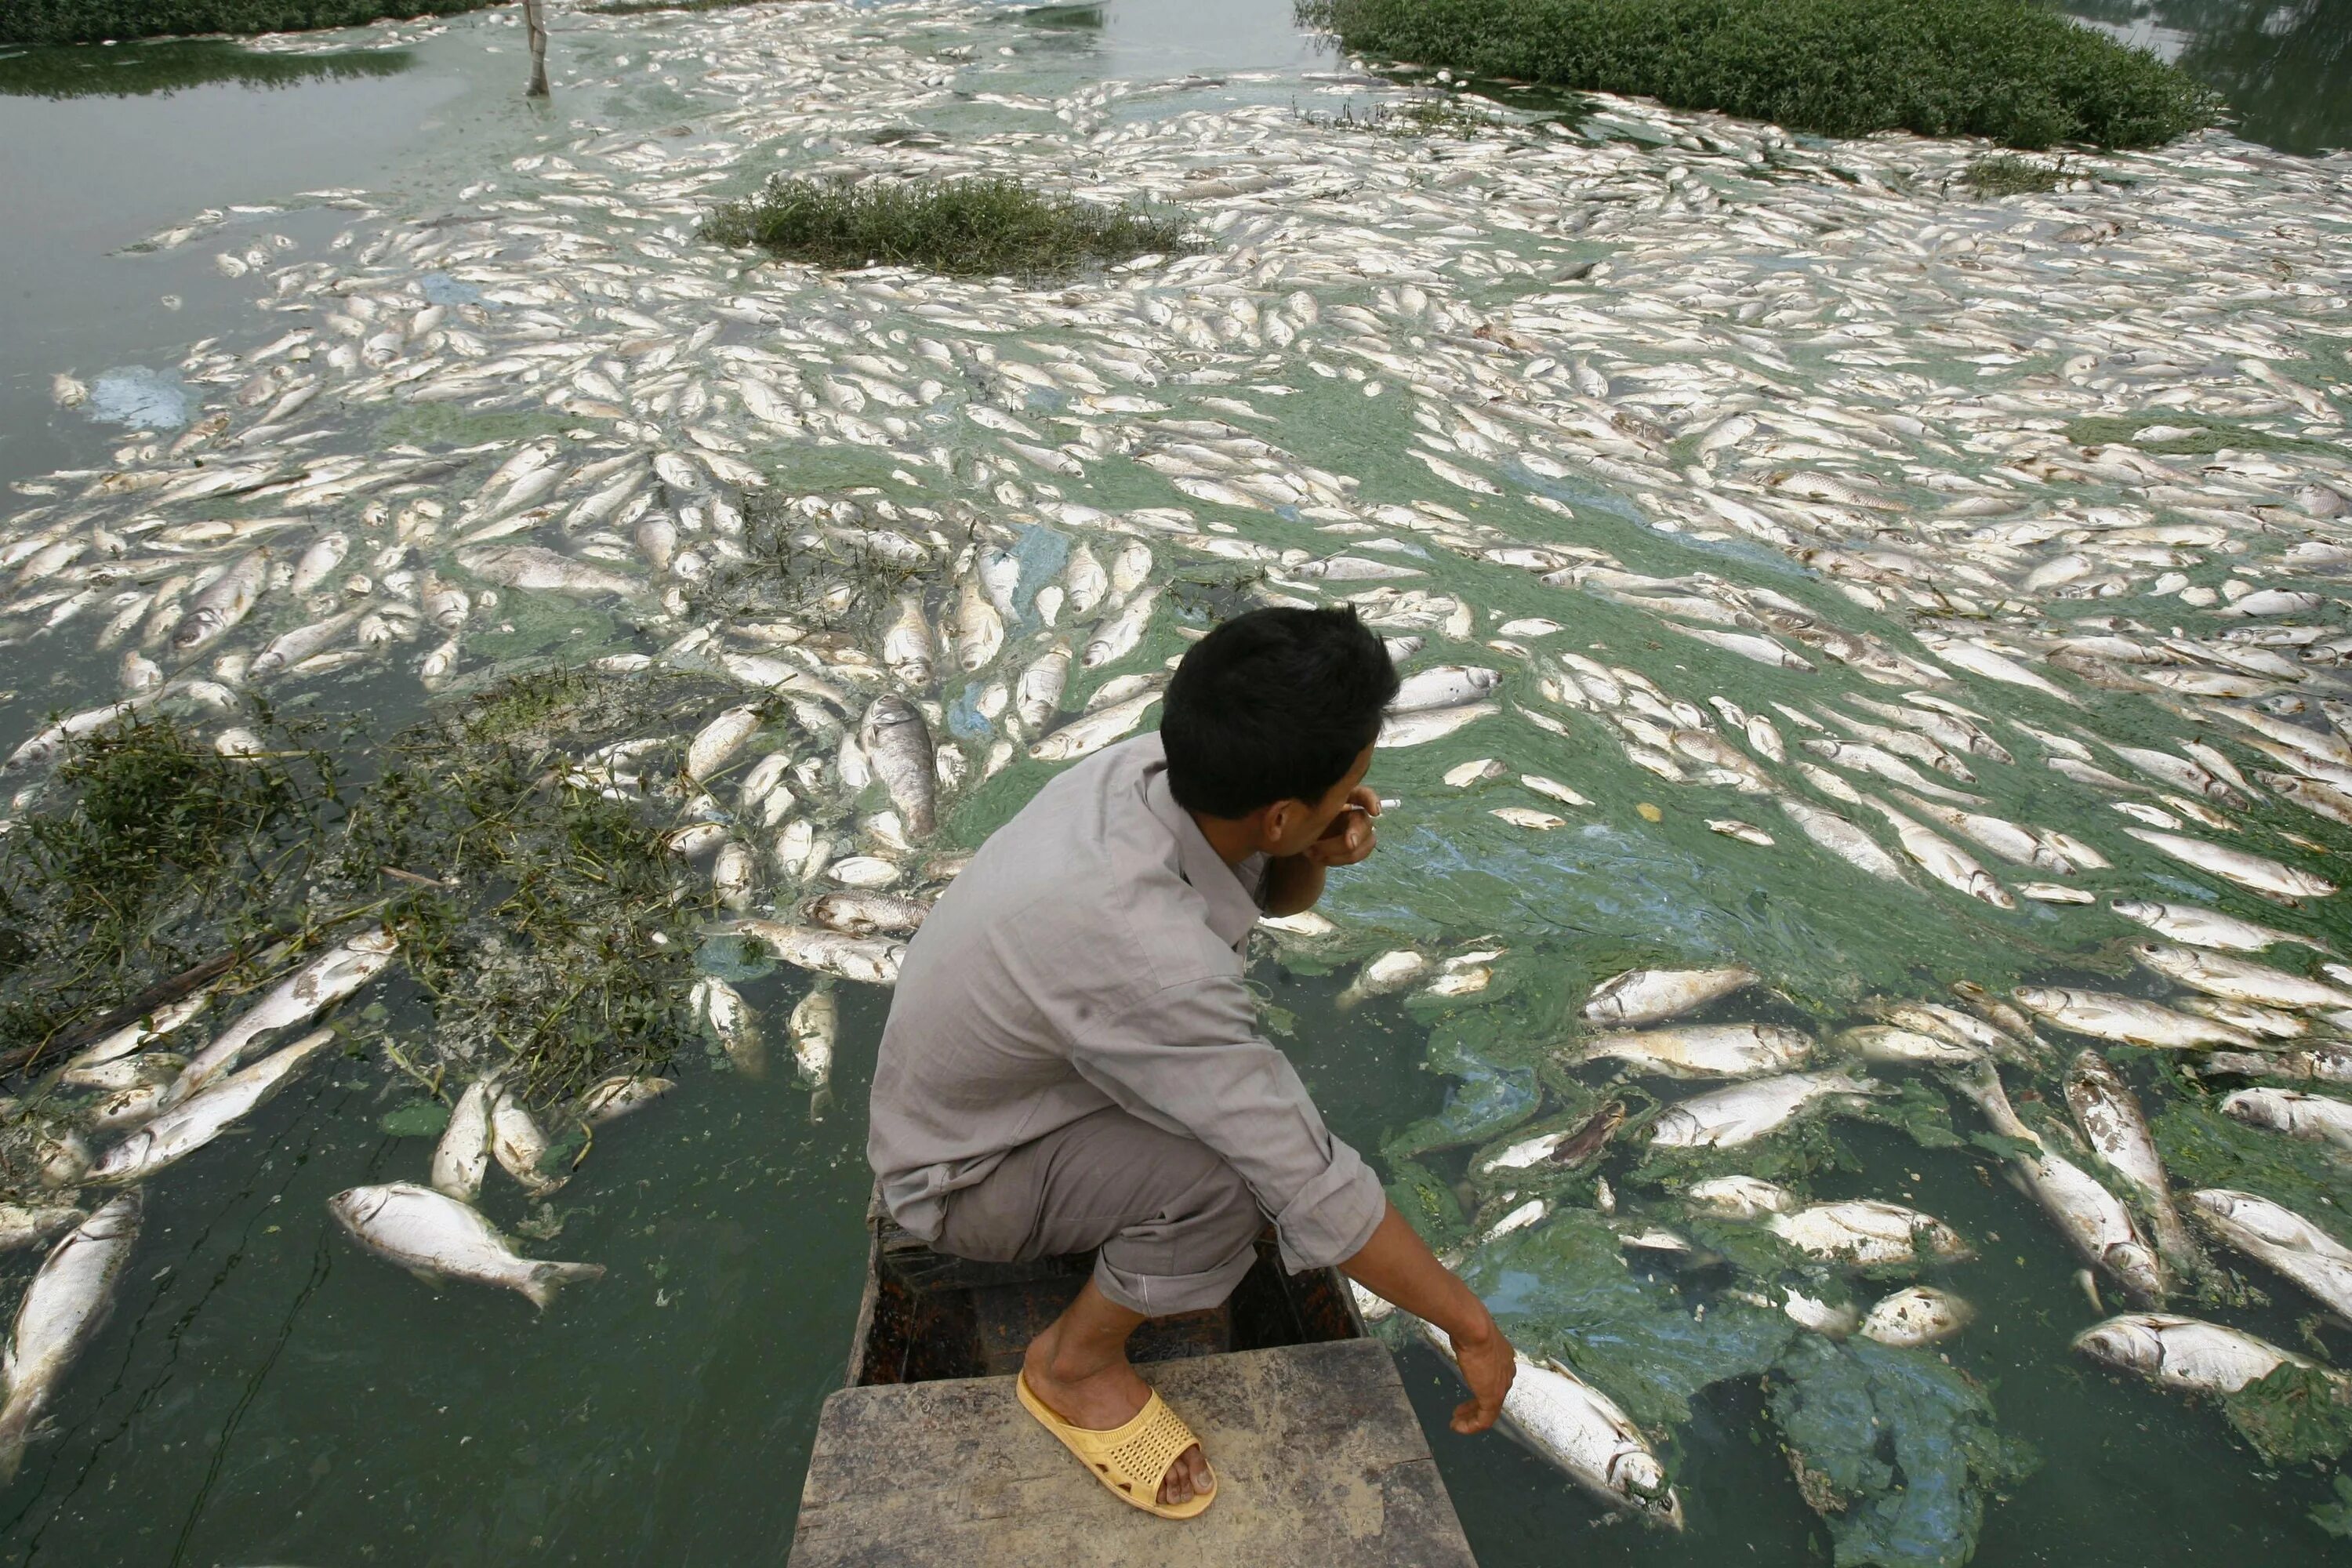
x=1102, y=1400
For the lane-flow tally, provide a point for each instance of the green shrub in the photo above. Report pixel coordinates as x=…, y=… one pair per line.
x=89, y=21
x=1998, y=68
x=973, y=228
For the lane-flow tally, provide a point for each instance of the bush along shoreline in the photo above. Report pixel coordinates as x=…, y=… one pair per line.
x=2002, y=69
x=95, y=21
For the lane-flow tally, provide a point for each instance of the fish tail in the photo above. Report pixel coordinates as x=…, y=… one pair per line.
x=15, y=1436
x=546, y=1279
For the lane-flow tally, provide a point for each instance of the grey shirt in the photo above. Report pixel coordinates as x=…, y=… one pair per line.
x=1091, y=956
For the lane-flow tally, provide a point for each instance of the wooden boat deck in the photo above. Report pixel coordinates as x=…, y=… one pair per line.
x=927, y=1459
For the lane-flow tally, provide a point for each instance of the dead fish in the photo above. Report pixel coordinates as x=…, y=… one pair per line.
x=1727, y=1117
x=223, y=605
x=899, y=747
x=2186, y=1354
x=61, y=1310
x=1705, y=1050
x=1640, y=996
x=462, y=1157
x=2111, y=1123
x=433, y=1235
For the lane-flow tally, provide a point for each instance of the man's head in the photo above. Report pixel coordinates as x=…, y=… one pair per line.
x=1272, y=718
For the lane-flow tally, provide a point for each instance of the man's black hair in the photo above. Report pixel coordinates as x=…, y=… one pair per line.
x=1272, y=705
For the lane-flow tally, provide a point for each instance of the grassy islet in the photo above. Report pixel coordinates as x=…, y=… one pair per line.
x=978, y=228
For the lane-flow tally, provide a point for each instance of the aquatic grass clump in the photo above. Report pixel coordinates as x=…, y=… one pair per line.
x=1461, y=116
x=150, y=852
x=981, y=228
x=541, y=916
x=2007, y=174
x=93, y=21
x=2002, y=69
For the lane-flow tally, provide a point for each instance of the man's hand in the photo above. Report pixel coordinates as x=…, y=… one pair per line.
x=1397, y=1265
x=1488, y=1364
x=1350, y=838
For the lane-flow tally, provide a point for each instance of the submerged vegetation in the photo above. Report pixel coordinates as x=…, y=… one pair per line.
x=151, y=853
x=534, y=900
x=969, y=228
x=2007, y=174
x=537, y=903
x=1996, y=69
x=93, y=21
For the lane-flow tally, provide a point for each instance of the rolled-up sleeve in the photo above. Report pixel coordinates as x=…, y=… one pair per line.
x=1189, y=1058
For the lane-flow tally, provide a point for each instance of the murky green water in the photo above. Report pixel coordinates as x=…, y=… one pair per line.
x=265, y=1392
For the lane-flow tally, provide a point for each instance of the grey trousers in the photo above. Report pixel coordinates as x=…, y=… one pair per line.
x=1176, y=1225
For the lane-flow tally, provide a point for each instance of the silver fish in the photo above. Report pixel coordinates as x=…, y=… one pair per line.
x=1917, y=1315
x=2256, y=872
x=1705, y=1050
x=223, y=605
x=620, y=1094
x=520, y=1145
x=2093, y=1219
x=1037, y=694
x=1565, y=1420
x=731, y=1021
x=2110, y=1118
x=2237, y=980
x=299, y=997
x=1092, y=731
x=815, y=1026
x=2104, y=1016
x=979, y=629
x=2300, y=1115
x=899, y=747
x=432, y=1234
x=1841, y=838
x=716, y=743
x=182, y=1130
x=860, y=912
x=1640, y=996
x=534, y=567
x=907, y=646
x=2206, y=928
x=2185, y=1354
x=1727, y=1117
x=2282, y=1240
x=873, y=961
x=1868, y=1234
x=462, y=1157
x=1445, y=686
x=61, y=1312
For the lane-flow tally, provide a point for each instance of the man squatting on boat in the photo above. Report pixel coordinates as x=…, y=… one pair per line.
x=1072, y=1059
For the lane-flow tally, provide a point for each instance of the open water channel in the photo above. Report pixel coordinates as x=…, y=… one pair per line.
x=266, y=1392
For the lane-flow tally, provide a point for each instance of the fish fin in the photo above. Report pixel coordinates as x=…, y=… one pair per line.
x=426, y=1278
x=546, y=1279
x=820, y=1101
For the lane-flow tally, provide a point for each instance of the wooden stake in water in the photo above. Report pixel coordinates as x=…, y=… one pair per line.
x=534, y=19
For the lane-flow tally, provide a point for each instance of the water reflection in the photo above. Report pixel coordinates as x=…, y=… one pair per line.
x=1061, y=17
x=2285, y=69
x=140, y=70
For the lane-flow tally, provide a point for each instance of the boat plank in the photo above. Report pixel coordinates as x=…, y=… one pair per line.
x=1320, y=1457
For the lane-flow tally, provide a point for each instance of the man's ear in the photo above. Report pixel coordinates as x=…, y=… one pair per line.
x=1275, y=821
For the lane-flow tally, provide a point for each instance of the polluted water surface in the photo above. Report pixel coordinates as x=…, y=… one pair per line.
x=1855, y=973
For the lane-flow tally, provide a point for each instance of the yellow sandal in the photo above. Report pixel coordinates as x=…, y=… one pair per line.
x=1130, y=1460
